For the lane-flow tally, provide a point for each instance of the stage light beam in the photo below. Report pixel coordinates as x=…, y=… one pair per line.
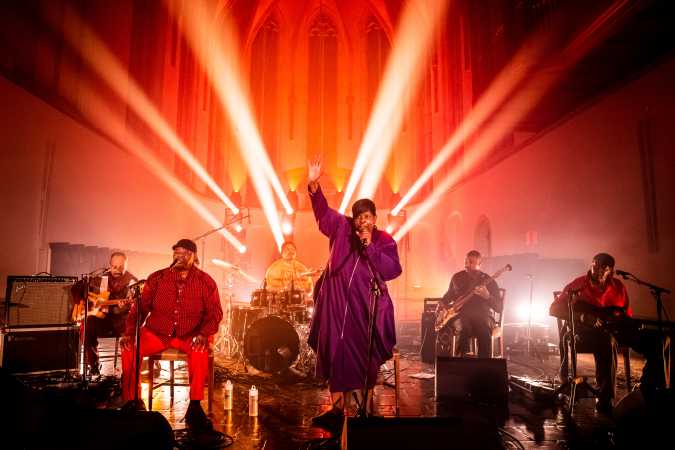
x=102, y=61
x=105, y=119
x=402, y=74
x=498, y=91
x=218, y=54
x=517, y=107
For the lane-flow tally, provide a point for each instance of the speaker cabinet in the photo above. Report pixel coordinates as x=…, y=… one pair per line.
x=39, y=349
x=481, y=381
x=415, y=433
x=428, y=331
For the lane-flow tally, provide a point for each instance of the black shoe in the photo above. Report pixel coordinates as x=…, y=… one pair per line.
x=95, y=370
x=133, y=405
x=331, y=420
x=196, y=419
x=604, y=406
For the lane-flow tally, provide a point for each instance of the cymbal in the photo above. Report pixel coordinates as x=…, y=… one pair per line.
x=311, y=273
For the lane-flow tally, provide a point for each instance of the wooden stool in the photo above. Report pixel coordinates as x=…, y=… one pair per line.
x=171, y=355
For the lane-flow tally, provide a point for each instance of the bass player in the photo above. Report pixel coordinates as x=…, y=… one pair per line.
x=474, y=318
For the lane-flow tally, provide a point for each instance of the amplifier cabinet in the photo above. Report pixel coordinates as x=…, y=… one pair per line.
x=38, y=300
x=39, y=349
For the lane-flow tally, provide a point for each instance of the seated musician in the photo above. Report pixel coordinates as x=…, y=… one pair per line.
x=474, y=318
x=108, y=321
x=287, y=273
x=182, y=307
x=599, y=296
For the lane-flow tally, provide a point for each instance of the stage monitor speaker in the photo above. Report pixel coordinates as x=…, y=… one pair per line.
x=428, y=331
x=477, y=380
x=38, y=300
x=415, y=433
x=39, y=349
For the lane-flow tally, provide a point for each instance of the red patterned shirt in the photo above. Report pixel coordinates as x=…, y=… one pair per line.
x=178, y=307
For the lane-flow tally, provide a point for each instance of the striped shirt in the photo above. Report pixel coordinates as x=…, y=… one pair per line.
x=177, y=307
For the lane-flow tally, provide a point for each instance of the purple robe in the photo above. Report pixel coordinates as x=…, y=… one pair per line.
x=339, y=329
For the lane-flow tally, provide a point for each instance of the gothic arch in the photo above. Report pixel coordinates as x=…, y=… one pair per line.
x=482, y=237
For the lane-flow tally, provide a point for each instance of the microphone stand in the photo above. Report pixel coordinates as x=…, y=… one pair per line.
x=83, y=349
x=375, y=292
x=656, y=292
x=137, y=349
x=573, y=382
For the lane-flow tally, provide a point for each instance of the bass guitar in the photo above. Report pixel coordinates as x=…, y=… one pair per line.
x=445, y=313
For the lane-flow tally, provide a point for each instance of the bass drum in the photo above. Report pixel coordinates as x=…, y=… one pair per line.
x=242, y=317
x=271, y=344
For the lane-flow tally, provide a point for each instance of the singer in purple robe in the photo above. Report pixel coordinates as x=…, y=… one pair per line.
x=353, y=286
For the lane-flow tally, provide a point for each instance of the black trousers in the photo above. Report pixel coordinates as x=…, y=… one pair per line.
x=468, y=326
x=111, y=325
x=604, y=349
x=649, y=344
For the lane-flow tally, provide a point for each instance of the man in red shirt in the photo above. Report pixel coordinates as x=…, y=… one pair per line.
x=597, y=294
x=183, y=311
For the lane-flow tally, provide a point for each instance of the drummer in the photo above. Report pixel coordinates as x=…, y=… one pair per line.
x=287, y=273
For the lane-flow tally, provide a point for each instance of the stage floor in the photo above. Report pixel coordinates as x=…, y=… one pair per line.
x=287, y=404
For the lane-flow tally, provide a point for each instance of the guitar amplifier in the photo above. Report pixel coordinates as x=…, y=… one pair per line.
x=428, y=331
x=39, y=349
x=38, y=300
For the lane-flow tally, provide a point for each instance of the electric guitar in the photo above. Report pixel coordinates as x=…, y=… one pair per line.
x=445, y=314
x=98, y=305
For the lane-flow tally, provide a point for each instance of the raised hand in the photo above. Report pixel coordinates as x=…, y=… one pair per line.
x=314, y=171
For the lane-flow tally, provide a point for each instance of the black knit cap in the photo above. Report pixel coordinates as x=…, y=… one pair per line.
x=604, y=260
x=187, y=244
x=363, y=205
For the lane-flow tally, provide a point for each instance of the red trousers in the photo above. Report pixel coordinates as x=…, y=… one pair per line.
x=198, y=363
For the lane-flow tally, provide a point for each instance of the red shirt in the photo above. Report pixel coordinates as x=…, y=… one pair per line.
x=178, y=307
x=613, y=294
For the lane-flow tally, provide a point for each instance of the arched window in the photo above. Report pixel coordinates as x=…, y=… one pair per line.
x=482, y=238
x=322, y=90
x=264, y=86
x=377, y=50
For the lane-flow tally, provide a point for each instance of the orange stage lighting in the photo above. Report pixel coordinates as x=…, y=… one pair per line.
x=515, y=109
x=402, y=74
x=100, y=59
x=105, y=119
x=498, y=91
x=217, y=52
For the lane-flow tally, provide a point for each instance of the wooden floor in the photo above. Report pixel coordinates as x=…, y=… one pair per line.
x=287, y=404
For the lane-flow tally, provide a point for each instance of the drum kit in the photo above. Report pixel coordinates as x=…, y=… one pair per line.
x=271, y=332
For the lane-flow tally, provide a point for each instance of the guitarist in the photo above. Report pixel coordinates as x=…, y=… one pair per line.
x=112, y=322
x=599, y=297
x=474, y=319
